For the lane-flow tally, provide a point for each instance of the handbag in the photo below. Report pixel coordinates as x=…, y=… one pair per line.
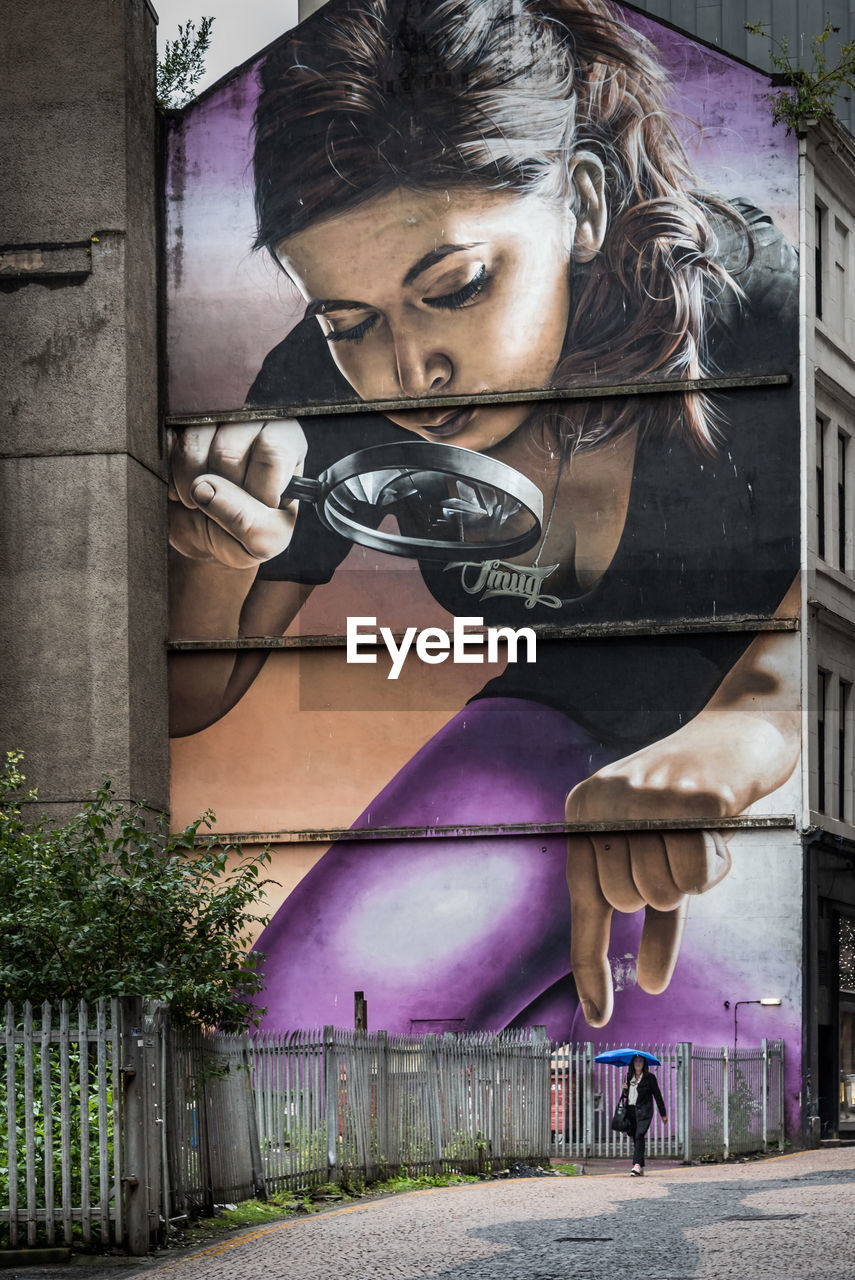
x=620, y=1119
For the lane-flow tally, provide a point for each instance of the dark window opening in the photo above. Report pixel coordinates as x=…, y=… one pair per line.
x=842, y=442
x=819, y=231
x=821, y=686
x=843, y=752
x=820, y=488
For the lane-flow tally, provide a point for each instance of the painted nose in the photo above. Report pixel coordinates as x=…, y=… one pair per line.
x=421, y=374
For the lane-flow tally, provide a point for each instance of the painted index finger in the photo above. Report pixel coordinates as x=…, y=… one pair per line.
x=660, y=947
x=590, y=923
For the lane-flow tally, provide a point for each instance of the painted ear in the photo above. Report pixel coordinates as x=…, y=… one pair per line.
x=590, y=204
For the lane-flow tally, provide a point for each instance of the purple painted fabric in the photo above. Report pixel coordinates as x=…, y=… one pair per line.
x=448, y=933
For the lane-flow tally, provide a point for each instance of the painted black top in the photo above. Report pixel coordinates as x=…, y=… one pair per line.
x=703, y=539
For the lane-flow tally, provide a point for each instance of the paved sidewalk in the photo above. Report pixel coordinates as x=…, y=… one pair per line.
x=789, y=1218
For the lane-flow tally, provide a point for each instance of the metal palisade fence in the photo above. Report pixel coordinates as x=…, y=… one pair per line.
x=60, y=1116
x=211, y=1150
x=737, y=1099
x=113, y=1122
x=334, y=1104
x=719, y=1101
x=585, y=1094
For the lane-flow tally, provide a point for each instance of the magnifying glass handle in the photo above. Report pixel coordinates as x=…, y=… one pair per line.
x=304, y=488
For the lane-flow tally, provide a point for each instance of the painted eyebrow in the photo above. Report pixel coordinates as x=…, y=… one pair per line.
x=435, y=255
x=320, y=306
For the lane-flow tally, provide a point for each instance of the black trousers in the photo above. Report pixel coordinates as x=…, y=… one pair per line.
x=638, y=1133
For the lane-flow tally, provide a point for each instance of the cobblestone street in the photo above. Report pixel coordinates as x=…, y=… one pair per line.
x=789, y=1218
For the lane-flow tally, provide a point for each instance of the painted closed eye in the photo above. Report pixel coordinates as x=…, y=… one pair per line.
x=460, y=297
x=356, y=334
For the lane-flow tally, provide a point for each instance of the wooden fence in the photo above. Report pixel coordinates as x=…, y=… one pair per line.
x=336, y=1104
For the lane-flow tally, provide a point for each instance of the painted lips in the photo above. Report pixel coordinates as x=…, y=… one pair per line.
x=450, y=424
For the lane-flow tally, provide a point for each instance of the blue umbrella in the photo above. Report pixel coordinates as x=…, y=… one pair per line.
x=624, y=1057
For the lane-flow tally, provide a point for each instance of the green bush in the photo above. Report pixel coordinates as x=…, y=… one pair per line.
x=110, y=903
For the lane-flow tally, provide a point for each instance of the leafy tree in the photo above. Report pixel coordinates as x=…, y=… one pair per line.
x=183, y=63
x=808, y=93
x=110, y=903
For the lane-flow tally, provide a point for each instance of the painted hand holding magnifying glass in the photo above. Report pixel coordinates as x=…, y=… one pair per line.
x=227, y=484
x=443, y=499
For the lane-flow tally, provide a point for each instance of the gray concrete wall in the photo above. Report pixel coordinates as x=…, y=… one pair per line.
x=82, y=486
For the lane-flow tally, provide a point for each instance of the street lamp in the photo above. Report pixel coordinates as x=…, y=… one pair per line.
x=767, y=1000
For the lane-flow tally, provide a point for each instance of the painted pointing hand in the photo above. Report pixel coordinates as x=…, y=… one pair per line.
x=687, y=775
x=742, y=746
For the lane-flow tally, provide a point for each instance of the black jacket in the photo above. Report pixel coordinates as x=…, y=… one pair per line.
x=648, y=1093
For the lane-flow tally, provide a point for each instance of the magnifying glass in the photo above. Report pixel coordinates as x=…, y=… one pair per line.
x=446, y=501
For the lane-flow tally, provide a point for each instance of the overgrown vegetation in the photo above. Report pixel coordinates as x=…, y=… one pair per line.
x=808, y=93
x=110, y=903
x=79, y=1128
x=183, y=63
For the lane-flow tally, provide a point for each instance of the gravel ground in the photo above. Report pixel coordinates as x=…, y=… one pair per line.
x=789, y=1218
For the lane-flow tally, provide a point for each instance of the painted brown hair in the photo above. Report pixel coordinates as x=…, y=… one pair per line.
x=370, y=95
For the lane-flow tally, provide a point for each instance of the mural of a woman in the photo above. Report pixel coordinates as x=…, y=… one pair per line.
x=489, y=195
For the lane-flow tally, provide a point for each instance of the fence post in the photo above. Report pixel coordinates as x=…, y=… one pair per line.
x=588, y=1098
x=542, y=1072
x=725, y=1114
x=258, y=1180
x=360, y=1011
x=686, y=1100
x=135, y=1181
x=781, y=1096
x=383, y=1103
x=430, y=1059
x=153, y=1136
x=332, y=1086
x=764, y=1085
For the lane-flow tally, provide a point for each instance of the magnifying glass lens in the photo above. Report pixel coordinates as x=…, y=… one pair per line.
x=431, y=505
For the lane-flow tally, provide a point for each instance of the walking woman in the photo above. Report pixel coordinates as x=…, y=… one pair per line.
x=642, y=1090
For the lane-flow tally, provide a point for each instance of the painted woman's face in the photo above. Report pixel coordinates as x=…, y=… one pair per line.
x=436, y=293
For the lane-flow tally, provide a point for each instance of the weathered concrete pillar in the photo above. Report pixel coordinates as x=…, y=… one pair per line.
x=82, y=482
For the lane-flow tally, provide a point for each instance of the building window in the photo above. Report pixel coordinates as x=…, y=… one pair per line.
x=841, y=258
x=844, y=762
x=842, y=442
x=820, y=488
x=821, y=695
x=819, y=232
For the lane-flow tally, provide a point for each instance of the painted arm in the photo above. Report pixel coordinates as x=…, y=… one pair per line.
x=744, y=744
x=225, y=518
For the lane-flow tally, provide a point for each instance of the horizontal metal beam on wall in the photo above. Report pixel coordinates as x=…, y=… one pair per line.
x=594, y=391
x=331, y=834
x=592, y=630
